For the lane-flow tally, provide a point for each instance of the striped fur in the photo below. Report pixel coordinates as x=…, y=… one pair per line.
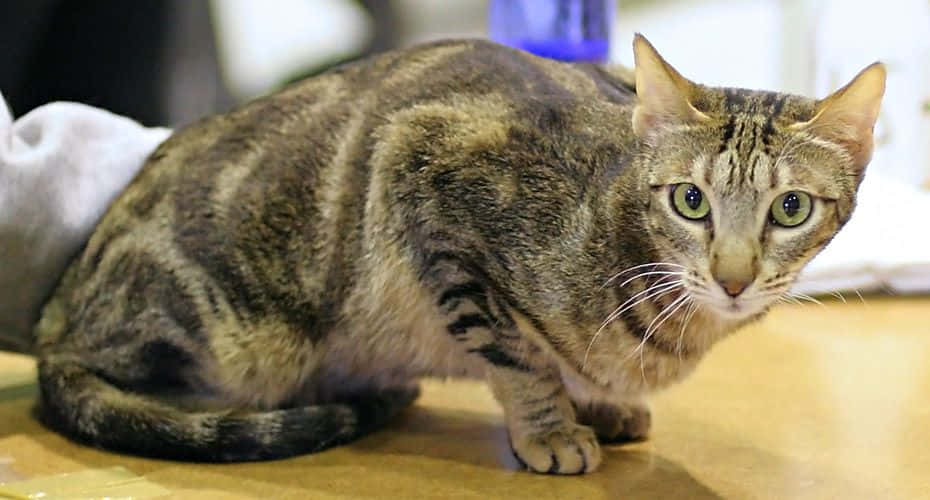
x=276, y=278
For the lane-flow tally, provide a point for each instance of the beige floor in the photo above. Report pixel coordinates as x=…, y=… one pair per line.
x=815, y=402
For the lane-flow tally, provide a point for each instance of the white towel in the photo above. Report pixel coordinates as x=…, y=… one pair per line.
x=60, y=167
x=884, y=247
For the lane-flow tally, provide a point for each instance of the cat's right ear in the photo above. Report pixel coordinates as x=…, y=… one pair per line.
x=664, y=96
x=847, y=116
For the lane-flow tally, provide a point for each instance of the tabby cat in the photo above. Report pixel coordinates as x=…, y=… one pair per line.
x=276, y=278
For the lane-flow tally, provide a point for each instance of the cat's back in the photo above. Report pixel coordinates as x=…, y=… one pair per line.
x=333, y=119
x=261, y=208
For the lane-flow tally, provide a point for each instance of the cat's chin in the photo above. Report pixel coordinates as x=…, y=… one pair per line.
x=735, y=311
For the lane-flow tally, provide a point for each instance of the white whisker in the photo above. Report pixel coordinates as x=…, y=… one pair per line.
x=650, y=273
x=651, y=264
x=692, y=309
x=806, y=297
x=679, y=301
x=656, y=290
x=636, y=299
x=668, y=311
x=789, y=299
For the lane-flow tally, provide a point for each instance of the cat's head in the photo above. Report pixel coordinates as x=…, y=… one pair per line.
x=747, y=186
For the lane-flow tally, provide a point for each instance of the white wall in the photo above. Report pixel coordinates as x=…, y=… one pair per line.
x=717, y=42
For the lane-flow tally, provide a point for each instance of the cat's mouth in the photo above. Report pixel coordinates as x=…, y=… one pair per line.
x=734, y=308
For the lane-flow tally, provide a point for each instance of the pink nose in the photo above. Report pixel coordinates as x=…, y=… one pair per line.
x=733, y=287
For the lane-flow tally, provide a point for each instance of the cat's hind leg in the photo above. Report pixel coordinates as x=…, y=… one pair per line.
x=85, y=405
x=112, y=406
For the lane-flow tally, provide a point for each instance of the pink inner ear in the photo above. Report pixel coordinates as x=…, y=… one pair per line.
x=663, y=92
x=848, y=129
x=849, y=115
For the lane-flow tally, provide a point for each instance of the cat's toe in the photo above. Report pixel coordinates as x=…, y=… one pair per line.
x=568, y=449
x=616, y=423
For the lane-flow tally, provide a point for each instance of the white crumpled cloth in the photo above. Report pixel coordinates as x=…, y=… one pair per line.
x=60, y=167
x=884, y=247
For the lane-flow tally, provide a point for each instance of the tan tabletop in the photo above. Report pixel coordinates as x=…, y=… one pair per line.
x=814, y=402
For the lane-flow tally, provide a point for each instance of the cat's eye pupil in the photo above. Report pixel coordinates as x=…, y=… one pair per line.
x=791, y=204
x=693, y=198
x=791, y=209
x=689, y=201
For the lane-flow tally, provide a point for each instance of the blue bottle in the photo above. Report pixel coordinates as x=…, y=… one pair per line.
x=567, y=30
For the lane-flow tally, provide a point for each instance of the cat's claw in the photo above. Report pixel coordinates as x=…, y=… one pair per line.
x=616, y=423
x=568, y=449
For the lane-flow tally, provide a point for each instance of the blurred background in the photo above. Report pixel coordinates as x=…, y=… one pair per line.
x=168, y=62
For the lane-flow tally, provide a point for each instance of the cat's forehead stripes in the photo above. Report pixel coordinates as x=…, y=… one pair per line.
x=743, y=180
x=762, y=109
x=754, y=138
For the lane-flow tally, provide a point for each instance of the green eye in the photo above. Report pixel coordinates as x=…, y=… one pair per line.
x=791, y=209
x=690, y=202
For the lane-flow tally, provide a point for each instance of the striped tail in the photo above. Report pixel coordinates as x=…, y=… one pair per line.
x=80, y=404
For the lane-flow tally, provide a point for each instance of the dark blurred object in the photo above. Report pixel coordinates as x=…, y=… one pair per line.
x=154, y=61
x=385, y=25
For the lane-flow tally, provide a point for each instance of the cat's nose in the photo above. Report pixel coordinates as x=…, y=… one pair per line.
x=733, y=287
x=734, y=263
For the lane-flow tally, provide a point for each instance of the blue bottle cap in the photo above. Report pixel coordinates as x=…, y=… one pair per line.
x=567, y=30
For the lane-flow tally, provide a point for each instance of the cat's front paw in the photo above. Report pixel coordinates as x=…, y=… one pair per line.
x=568, y=449
x=616, y=423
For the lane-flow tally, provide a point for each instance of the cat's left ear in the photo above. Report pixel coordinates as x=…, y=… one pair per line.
x=847, y=117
